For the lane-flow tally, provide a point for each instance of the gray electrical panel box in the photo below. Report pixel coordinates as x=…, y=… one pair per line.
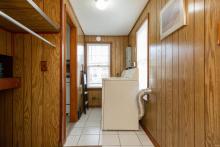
x=128, y=57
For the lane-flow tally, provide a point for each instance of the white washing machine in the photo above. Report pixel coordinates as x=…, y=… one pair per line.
x=119, y=104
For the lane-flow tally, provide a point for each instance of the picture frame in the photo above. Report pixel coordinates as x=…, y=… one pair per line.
x=172, y=17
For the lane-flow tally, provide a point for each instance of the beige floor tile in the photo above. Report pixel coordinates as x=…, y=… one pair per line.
x=109, y=132
x=71, y=141
x=129, y=140
x=88, y=140
x=109, y=140
x=91, y=131
x=76, y=131
x=144, y=140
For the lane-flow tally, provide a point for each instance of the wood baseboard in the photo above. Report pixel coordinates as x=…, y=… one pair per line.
x=98, y=106
x=151, y=137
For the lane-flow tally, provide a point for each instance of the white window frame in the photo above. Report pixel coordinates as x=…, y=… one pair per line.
x=97, y=85
x=143, y=72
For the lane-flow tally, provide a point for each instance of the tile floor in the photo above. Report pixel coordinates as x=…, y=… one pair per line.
x=87, y=132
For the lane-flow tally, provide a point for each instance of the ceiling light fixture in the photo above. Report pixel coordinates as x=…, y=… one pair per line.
x=101, y=4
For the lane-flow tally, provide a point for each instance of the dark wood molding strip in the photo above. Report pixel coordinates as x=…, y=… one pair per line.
x=156, y=144
x=9, y=83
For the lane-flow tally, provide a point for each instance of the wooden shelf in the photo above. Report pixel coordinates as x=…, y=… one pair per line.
x=9, y=83
x=27, y=13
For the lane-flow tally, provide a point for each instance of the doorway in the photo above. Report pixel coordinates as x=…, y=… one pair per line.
x=71, y=70
x=69, y=98
x=68, y=29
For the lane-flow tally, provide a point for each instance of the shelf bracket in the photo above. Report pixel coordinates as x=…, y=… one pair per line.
x=10, y=19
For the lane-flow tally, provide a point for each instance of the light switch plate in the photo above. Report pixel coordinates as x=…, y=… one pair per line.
x=219, y=34
x=44, y=66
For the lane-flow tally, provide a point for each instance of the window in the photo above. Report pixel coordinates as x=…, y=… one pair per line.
x=80, y=61
x=98, y=64
x=142, y=55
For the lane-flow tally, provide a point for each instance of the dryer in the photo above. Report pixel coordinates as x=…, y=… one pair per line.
x=119, y=104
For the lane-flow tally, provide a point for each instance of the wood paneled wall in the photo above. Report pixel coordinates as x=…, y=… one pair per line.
x=95, y=97
x=212, y=76
x=32, y=113
x=118, y=46
x=5, y=43
x=6, y=97
x=183, y=73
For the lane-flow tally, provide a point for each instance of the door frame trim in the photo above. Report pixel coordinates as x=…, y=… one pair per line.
x=66, y=17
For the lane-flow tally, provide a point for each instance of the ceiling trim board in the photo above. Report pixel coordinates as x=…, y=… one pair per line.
x=142, y=12
x=76, y=17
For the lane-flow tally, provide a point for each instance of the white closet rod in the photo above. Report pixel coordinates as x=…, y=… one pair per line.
x=25, y=28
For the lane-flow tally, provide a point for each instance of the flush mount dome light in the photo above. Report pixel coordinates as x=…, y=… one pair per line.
x=101, y=4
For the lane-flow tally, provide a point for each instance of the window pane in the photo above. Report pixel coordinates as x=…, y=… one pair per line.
x=142, y=55
x=98, y=54
x=96, y=74
x=98, y=63
x=80, y=61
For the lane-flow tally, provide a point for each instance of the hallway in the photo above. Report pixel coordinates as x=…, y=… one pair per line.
x=87, y=132
x=60, y=57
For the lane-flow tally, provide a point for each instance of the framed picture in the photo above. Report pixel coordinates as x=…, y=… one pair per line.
x=172, y=17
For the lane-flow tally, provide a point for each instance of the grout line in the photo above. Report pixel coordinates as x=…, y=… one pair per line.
x=119, y=139
x=139, y=139
x=99, y=140
x=78, y=139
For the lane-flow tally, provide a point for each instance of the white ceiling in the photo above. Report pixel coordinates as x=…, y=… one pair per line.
x=117, y=19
